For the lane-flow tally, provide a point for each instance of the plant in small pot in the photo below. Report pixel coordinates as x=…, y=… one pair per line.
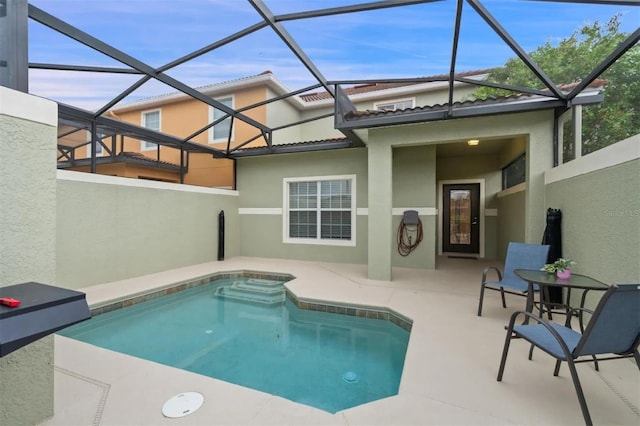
x=561, y=267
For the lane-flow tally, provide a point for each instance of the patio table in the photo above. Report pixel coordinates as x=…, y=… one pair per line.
x=546, y=280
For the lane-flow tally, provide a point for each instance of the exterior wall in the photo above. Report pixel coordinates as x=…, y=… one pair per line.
x=28, y=242
x=319, y=129
x=511, y=219
x=281, y=113
x=184, y=117
x=537, y=126
x=112, y=228
x=414, y=188
x=207, y=171
x=260, y=183
x=601, y=211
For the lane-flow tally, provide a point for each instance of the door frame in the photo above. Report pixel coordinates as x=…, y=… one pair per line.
x=482, y=212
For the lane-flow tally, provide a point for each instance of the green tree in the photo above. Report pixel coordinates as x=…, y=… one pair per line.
x=573, y=59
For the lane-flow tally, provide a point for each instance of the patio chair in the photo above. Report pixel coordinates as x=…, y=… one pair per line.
x=519, y=256
x=613, y=329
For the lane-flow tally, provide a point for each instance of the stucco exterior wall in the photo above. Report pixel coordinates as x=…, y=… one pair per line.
x=260, y=184
x=511, y=219
x=112, y=228
x=279, y=114
x=27, y=243
x=601, y=215
x=414, y=175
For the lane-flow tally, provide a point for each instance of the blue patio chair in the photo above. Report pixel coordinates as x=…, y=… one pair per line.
x=519, y=256
x=613, y=329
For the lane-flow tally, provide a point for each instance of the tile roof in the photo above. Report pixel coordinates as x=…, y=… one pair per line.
x=372, y=87
x=354, y=115
x=330, y=143
x=141, y=157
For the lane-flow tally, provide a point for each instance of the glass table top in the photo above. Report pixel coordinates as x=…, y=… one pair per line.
x=550, y=279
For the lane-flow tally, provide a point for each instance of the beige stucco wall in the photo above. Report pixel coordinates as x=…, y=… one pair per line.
x=112, y=228
x=414, y=175
x=27, y=243
x=601, y=220
x=260, y=184
x=511, y=219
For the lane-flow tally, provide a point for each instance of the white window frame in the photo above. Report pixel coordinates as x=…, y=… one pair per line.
x=318, y=241
x=144, y=145
x=99, y=147
x=211, y=113
x=394, y=103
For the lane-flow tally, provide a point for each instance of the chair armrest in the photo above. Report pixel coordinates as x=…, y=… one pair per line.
x=487, y=270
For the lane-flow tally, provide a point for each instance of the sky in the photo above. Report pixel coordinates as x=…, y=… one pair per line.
x=400, y=42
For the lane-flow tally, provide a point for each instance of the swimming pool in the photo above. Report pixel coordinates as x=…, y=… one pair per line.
x=247, y=331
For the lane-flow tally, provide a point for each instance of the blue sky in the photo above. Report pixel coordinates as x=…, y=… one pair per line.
x=409, y=41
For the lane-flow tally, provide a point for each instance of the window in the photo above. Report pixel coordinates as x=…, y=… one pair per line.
x=220, y=131
x=514, y=172
x=150, y=120
x=320, y=210
x=98, y=145
x=393, y=105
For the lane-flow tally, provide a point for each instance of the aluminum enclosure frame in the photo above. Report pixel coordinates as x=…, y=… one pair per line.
x=13, y=42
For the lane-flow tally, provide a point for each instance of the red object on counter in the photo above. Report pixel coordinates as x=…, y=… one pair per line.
x=9, y=301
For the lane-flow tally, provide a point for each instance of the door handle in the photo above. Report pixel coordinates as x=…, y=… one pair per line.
x=474, y=221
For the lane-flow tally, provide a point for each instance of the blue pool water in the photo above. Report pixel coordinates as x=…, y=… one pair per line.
x=245, y=331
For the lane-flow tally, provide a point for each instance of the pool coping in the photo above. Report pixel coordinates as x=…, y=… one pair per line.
x=363, y=311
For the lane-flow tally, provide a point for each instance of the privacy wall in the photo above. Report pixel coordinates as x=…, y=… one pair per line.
x=111, y=228
x=598, y=196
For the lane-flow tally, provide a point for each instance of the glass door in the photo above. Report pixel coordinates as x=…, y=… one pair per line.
x=461, y=218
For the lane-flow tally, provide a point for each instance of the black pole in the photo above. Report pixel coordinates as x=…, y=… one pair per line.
x=221, y=235
x=14, y=62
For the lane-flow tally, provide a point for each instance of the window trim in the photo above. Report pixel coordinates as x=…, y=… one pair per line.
x=211, y=131
x=99, y=147
x=318, y=241
x=143, y=123
x=376, y=105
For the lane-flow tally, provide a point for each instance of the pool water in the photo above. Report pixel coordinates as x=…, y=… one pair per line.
x=245, y=331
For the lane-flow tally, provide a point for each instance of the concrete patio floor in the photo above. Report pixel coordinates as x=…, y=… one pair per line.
x=449, y=374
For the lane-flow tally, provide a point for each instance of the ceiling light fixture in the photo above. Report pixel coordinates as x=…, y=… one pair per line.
x=473, y=142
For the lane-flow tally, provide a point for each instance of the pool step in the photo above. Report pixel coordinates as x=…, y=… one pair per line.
x=267, y=292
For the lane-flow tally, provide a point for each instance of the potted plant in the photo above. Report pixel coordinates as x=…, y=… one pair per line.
x=561, y=267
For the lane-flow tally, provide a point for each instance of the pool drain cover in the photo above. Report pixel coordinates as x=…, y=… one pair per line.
x=350, y=377
x=182, y=405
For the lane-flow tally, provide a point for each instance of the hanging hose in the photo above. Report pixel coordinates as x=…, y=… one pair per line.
x=405, y=243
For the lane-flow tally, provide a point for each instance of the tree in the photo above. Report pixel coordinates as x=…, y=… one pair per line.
x=617, y=117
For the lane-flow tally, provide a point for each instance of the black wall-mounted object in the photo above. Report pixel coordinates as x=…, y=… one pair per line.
x=221, y=235
x=553, y=238
x=43, y=310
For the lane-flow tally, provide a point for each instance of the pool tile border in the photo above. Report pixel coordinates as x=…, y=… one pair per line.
x=311, y=305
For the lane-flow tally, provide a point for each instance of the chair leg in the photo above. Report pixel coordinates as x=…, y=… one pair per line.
x=531, y=352
x=504, y=303
x=556, y=370
x=636, y=356
x=505, y=352
x=481, y=299
x=580, y=393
